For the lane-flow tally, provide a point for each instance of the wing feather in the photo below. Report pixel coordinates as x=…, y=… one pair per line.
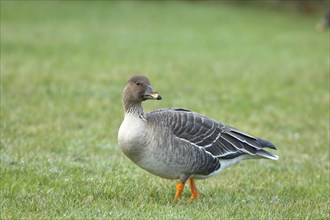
x=223, y=142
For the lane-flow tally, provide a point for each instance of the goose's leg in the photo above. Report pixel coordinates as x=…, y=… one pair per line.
x=194, y=192
x=179, y=190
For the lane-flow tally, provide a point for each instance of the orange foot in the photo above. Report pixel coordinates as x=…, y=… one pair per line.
x=179, y=190
x=194, y=192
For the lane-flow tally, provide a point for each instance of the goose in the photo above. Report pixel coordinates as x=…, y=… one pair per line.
x=175, y=143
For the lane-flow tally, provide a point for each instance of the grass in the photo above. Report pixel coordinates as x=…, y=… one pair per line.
x=63, y=68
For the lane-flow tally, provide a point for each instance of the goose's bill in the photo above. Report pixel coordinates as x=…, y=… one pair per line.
x=151, y=94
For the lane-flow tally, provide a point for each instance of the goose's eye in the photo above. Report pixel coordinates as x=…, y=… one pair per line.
x=138, y=83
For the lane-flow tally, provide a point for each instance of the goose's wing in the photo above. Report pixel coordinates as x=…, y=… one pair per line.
x=222, y=141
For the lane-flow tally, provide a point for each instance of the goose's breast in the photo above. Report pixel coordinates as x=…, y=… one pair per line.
x=132, y=137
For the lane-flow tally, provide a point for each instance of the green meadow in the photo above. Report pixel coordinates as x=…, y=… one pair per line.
x=63, y=68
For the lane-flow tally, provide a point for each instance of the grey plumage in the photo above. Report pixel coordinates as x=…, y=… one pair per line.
x=208, y=137
x=176, y=143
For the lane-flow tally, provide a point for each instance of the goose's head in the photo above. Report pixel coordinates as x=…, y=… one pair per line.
x=138, y=89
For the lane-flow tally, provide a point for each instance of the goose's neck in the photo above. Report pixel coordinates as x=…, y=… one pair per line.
x=135, y=109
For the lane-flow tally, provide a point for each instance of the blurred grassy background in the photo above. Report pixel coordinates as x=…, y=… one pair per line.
x=63, y=68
